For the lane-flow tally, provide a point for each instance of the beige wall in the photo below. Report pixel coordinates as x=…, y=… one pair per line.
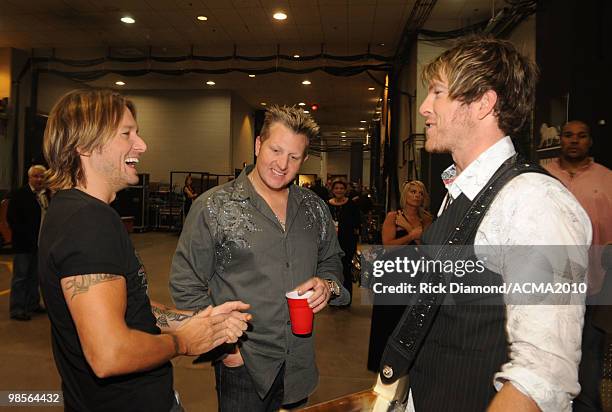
x=185, y=131
x=339, y=163
x=243, y=131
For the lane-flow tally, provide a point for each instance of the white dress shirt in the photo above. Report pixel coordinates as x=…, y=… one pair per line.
x=532, y=209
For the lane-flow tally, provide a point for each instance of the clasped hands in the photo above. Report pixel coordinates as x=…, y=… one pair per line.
x=211, y=327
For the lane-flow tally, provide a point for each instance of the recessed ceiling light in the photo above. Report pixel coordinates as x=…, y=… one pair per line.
x=363, y=121
x=263, y=103
x=280, y=15
x=380, y=100
x=202, y=18
x=371, y=88
x=120, y=83
x=306, y=82
x=306, y=111
x=296, y=56
x=362, y=128
x=343, y=132
x=344, y=140
x=210, y=83
x=381, y=44
x=251, y=75
x=301, y=104
x=128, y=20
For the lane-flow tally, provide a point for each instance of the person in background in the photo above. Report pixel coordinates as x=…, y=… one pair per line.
x=320, y=190
x=112, y=344
x=26, y=210
x=591, y=183
x=256, y=238
x=404, y=226
x=189, y=194
x=345, y=215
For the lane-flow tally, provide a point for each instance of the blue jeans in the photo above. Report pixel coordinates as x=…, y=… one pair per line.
x=25, y=296
x=236, y=391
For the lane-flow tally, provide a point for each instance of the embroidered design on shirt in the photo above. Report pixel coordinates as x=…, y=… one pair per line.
x=315, y=215
x=230, y=221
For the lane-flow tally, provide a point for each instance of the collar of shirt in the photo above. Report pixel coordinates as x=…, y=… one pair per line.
x=473, y=178
x=578, y=171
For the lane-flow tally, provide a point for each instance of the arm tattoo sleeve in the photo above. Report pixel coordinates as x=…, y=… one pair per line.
x=81, y=283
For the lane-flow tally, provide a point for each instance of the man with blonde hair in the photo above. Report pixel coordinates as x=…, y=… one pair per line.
x=256, y=238
x=26, y=208
x=492, y=352
x=112, y=345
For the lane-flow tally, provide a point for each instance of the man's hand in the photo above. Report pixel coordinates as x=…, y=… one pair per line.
x=320, y=293
x=211, y=327
x=236, y=320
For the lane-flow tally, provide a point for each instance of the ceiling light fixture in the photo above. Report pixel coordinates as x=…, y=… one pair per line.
x=306, y=111
x=128, y=20
x=306, y=82
x=263, y=103
x=301, y=104
x=210, y=83
x=371, y=88
x=362, y=128
x=343, y=132
x=363, y=121
x=251, y=75
x=296, y=56
x=202, y=18
x=280, y=15
x=120, y=83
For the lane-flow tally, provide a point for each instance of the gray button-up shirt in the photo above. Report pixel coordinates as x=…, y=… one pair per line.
x=233, y=248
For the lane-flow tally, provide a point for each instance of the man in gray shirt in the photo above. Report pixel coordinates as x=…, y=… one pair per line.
x=255, y=239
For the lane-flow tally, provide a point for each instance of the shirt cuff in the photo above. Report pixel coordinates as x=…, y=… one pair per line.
x=546, y=396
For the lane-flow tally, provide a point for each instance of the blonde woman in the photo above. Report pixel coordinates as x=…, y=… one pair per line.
x=404, y=226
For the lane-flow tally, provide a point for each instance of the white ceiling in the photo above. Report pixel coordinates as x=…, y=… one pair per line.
x=88, y=28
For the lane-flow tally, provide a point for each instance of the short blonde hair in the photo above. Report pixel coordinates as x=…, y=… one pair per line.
x=82, y=120
x=291, y=117
x=35, y=168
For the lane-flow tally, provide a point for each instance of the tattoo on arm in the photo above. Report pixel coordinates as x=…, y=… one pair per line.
x=165, y=316
x=82, y=283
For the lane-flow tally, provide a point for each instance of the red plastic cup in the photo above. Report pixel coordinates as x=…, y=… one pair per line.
x=299, y=312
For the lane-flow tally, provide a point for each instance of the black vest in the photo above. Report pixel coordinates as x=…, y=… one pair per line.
x=453, y=370
x=451, y=352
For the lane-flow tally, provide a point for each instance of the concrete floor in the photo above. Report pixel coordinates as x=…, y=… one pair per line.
x=341, y=341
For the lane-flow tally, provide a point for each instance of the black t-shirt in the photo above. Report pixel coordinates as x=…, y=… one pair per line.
x=83, y=235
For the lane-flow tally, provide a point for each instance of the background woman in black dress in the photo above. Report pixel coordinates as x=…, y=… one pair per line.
x=401, y=227
x=346, y=217
x=189, y=193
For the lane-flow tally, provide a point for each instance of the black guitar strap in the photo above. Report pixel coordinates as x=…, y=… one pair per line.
x=417, y=319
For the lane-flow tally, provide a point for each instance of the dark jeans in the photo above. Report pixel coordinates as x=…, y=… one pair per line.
x=236, y=391
x=25, y=296
x=590, y=371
